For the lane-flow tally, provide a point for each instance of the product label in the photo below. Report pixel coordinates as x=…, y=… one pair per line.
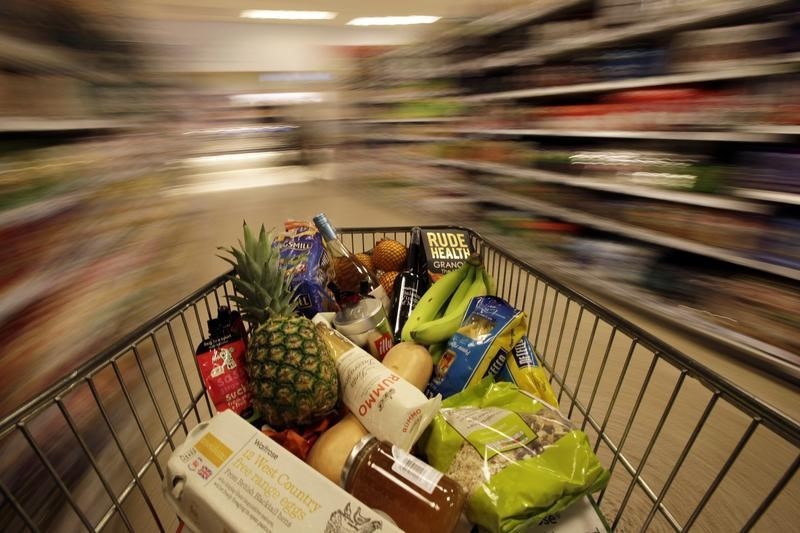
x=409, y=297
x=225, y=376
x=445, y=250
x=490, y=430
x=417, y=472
x=250, y=483
x=379, y=340
x=390, y=407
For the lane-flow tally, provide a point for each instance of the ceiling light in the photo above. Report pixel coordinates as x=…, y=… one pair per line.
x=287, y=15
x=393, y=21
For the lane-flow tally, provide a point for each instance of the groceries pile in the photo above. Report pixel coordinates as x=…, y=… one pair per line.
x=351, y=405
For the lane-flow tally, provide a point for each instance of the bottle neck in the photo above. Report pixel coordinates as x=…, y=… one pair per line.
x=325, y=228
x=414, y=251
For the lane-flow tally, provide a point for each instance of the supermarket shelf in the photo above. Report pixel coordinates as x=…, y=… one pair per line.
x=743, y=70
x=519, y=15
x=421, y=120
x=769, y=196
x=401, y=138
x=605, y=37
x=693, y=320
x=31, y=125
x=626, y=230
x=753, y=350
x=744, y=136
x=38, y=210
x=543, y=176
x=33, y=56
x=408, y=97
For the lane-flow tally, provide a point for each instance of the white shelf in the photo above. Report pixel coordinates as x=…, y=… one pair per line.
x=769, y=196
x=745, y=69
x=632, y=232
x=608, y=36
x=744, y=136
x=31, y=125
x=543, y=176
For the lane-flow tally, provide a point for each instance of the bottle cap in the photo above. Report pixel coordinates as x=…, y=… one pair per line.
x=324, y=227
x=353, y=456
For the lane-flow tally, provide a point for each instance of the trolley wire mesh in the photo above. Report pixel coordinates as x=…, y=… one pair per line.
x=687, y=449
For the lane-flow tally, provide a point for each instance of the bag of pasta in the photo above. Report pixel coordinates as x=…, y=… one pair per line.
x=490, y=329
x=523, y=370
x=517, y=458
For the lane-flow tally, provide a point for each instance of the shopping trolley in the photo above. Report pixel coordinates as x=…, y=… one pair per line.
x=687, y=449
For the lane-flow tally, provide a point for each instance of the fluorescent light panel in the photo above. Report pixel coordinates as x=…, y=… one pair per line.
x=287, y=15
x=393, y=21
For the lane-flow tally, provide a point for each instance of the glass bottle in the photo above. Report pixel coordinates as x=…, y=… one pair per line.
x=410, y=284
x=416, y=496
x=349, y=272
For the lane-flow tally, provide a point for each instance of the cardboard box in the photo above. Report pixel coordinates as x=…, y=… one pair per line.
x=228, y=476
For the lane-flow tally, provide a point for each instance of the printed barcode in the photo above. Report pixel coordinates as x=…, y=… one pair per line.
x=419, y=473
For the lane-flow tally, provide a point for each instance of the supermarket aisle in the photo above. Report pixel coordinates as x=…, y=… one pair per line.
x=220, y=202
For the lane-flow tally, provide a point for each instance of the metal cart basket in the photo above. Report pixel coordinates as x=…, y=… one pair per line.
x=687, y=449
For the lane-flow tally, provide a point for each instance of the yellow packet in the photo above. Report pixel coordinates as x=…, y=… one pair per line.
x=522, y=369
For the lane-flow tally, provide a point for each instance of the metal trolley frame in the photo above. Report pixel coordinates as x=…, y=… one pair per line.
x=687, y=448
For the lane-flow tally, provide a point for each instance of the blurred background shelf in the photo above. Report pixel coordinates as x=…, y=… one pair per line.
x=31, y=124
x=715, y=14
x=739, y=70
x=757, y=135
x=707, y=200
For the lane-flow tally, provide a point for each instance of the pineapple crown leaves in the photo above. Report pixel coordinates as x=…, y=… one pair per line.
x=265, y=291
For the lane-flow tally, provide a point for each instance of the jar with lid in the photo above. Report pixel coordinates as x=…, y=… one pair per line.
x=416, y=496
x=365, y=324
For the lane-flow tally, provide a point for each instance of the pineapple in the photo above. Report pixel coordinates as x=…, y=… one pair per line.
x=389, y=255
x=293, y=378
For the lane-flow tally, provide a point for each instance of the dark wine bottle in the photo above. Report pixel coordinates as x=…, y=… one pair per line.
x=410, y=284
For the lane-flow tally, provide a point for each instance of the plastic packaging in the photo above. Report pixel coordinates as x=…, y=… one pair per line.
x=307, y=263
x=387, y=405
x=488, y=332
x=517, y=459
x=522, y=369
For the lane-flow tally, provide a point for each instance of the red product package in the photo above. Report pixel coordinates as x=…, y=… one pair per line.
x=221, y=359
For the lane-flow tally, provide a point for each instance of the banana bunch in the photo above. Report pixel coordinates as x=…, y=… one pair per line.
x=439, y=312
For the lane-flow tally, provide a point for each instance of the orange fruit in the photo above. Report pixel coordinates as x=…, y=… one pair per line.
x=387, y=280
x=389, y=255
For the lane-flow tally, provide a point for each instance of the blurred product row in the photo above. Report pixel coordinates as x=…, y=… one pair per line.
x=646, y=152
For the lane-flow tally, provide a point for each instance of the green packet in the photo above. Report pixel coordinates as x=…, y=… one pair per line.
x=517, y=458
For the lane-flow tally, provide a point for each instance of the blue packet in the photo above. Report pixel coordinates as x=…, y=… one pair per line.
x=306, y=260
x=489, y=330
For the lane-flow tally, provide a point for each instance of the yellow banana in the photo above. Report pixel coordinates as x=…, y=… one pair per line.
x=435, y=299
x=441, y=329
x=462, y=289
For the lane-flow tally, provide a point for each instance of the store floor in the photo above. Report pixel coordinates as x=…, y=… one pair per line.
x=220, y=201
